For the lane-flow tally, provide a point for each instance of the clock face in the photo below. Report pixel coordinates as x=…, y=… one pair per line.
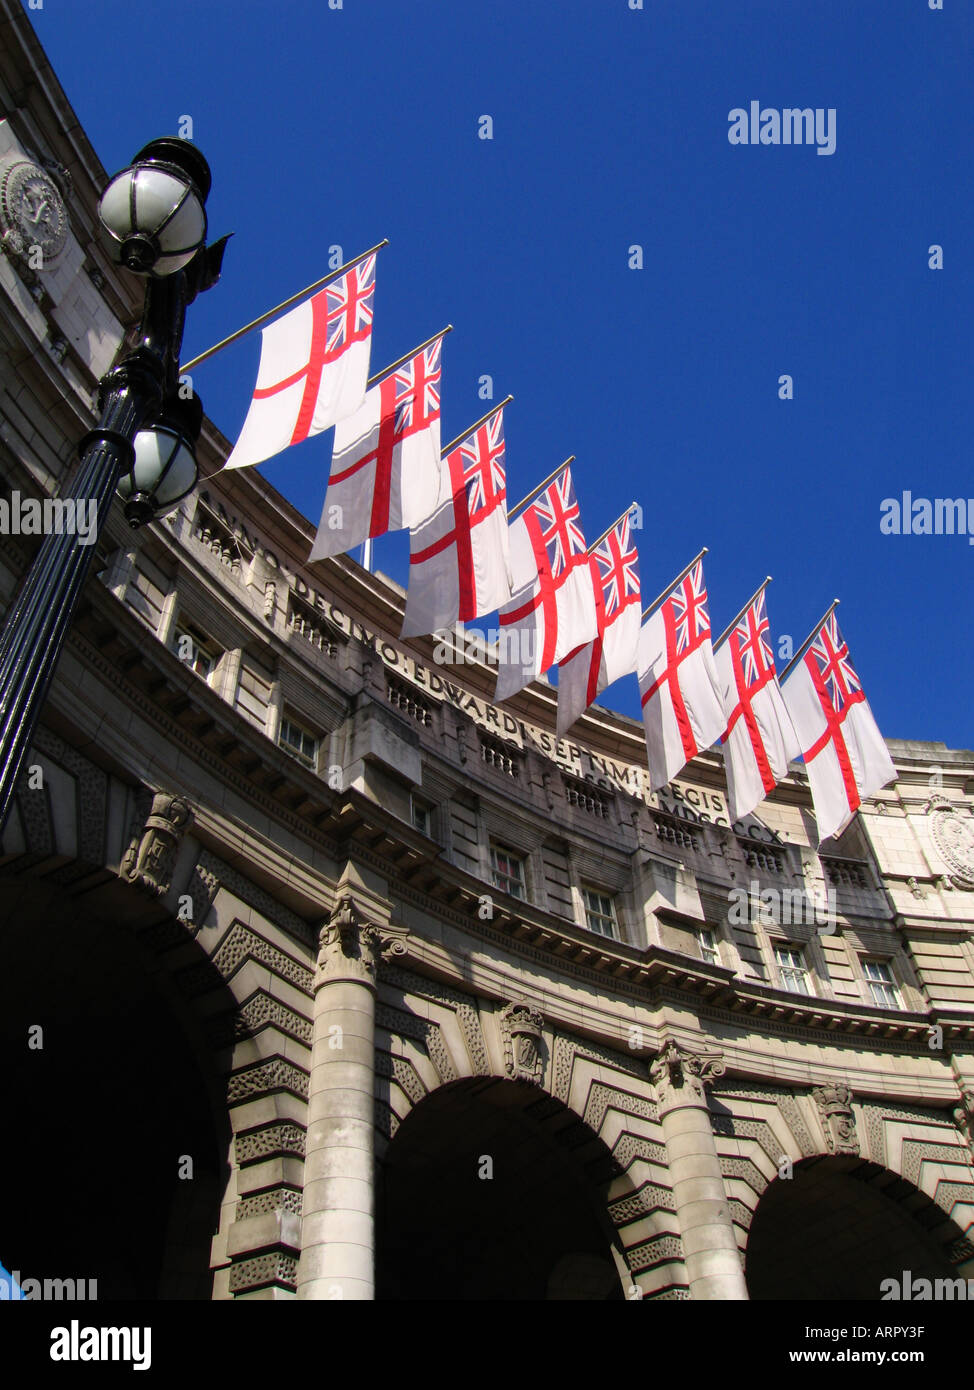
x=32, y=208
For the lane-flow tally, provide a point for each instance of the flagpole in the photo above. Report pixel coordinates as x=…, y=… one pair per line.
x=734, y=621
x=611, y=528
x=810, y=638
x=367, y=554
x=679, y=578
x=532, y=495
x=406, y=355
x=482, y=421
x=271, y=313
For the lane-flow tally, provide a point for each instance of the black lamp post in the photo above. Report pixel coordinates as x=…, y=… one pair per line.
x=143, y=445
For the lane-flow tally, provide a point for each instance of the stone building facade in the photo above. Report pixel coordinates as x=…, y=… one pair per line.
x=350, y=983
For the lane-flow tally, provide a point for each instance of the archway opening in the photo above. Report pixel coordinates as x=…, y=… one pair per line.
x=838, y=1228
x=112, y=1169
x=492, y=1190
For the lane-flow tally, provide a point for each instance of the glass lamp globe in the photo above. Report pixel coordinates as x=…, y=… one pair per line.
x=163, y=472
x=154, y=210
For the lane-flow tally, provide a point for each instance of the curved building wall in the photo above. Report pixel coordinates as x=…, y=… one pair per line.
x=379, y=911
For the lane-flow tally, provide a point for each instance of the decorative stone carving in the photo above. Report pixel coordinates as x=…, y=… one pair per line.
x=681, y=1075
x=915, y=888
x=964, y=1116
x=270, y=601
x=521, y=1026
x=350, y=948
x=148, y=861
x=953, y=834
x=834, y=1103
x=32, y=212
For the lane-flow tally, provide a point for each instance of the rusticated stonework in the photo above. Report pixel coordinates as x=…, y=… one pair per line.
x=257, y=1273
x=258, y=1144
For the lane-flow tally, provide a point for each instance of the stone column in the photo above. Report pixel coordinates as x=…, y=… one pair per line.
x=709, y=1246
x=337, y=1229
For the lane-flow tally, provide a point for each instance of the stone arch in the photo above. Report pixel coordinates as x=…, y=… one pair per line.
x=915, y=1155
x=507, y=1189
x=124, y=1100
x=840, y=1227
x=238, y=972
x=431, y=1036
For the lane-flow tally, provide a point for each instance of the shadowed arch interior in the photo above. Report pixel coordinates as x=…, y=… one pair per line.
x=536, y=1228
x=838, y=1228
x=97, y=1119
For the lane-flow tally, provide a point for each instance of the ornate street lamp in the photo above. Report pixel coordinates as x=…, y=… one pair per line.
x=144, y=442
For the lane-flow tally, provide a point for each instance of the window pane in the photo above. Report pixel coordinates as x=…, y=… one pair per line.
x=791, y=966
x=708, y=946
x=507, y=871
x=297, y=741
x=600, y=913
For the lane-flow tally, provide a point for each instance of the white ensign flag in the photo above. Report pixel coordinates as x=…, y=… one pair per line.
x=385, y=463
x=759, y=741
x=845, y=755
x=682, y=710
x=314, y=365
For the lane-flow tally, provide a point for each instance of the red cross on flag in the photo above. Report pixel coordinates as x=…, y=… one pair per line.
x=552, y=610
x=459, y=562
x=586, y=672
x=314, y=365
x=759, y=741
x=682, y=711
x=845, y=755
x=385, y=464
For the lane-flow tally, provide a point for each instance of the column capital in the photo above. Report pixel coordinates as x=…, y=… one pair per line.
x=680, y=1075
x=350, y=946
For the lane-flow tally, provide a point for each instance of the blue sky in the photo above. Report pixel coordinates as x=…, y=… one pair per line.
x=610, y=129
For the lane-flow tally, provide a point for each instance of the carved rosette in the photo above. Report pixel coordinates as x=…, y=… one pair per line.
x=521, y=1026
x=834, y=1103
x=149, y=860
x=680, y=1075
x=964, y=1116
x=350, y=948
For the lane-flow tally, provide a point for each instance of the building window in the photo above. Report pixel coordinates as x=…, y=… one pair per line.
x=422, y=817
x=709, y=949
x=792, y=969
x=194, y=650
x=600, y=912
x=298, y=741
x=882, y=985
x=507, y=870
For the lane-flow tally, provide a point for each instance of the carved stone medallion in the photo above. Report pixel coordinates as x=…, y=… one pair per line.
x=953, y=834
x=32, y=212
